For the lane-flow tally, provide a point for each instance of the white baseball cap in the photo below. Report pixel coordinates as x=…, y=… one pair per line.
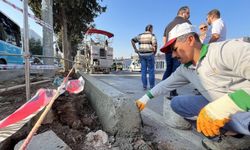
x=177, y=31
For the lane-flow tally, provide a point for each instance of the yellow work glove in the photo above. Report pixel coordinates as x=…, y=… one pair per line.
x=141, y=103
x=215, y=115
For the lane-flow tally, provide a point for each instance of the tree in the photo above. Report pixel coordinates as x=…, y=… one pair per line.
x=35, y=47
x=71, y=18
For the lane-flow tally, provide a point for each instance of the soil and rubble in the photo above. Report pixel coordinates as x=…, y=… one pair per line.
x=72, y=118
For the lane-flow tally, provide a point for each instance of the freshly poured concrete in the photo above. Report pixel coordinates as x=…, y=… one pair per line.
x=116, y=111
x=154, y=116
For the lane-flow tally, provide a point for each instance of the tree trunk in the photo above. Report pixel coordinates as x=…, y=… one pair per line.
x=65, y=43
x=47, y=16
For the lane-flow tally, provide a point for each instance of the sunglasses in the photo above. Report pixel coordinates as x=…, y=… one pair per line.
x=203, y=27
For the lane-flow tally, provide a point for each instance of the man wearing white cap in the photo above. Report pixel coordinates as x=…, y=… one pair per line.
x=221, y=73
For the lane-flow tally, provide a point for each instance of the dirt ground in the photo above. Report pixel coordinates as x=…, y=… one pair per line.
x=73, y=115
x=73, y=119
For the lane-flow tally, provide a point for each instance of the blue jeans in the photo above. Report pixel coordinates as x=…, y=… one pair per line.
x=172, y=64
x=189, y=106
x=148, y=65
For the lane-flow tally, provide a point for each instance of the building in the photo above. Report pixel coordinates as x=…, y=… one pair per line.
x=160, y=63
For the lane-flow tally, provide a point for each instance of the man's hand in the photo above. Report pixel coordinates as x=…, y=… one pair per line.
x=208, y=125
x=215, y=115
x=141, y=103
x=155, y=49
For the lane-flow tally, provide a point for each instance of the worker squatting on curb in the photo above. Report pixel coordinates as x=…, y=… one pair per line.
x=221, y=73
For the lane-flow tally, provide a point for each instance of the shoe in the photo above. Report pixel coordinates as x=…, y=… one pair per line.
x=172, y=94
x=144, y=88
x=196, y=92
x=227, y=143
x=172, y=119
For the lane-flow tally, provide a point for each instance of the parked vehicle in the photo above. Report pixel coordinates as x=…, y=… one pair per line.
x=36, y=61
x=117, y=66
x=10, y=41
x=95, y=54
x=135, y=65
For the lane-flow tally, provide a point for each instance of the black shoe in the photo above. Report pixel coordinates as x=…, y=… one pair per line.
x=227, y=143
x=173, y=93
x=196, y=92
x=238, y=136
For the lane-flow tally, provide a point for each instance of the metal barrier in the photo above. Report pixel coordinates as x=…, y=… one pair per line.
x=17, y=66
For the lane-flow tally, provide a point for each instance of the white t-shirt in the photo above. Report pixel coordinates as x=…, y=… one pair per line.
x=219, y=27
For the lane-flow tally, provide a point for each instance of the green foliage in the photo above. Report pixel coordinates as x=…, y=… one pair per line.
x=36, y=6
x=35, y=47
x=79, y=15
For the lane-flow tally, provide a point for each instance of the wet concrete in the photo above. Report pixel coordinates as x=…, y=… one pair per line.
x=117, y=113
x=154, y=122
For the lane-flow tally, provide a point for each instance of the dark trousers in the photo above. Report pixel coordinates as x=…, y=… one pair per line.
x=172, y=64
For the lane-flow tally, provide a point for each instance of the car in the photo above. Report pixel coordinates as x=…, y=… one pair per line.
x=117, y=66
x=135, y=66
x=35, y=61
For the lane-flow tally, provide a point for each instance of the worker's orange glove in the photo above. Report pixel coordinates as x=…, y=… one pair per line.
x=141, y=103
x=215, y=115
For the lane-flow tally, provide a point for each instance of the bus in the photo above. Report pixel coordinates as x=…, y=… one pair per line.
x=10, y=41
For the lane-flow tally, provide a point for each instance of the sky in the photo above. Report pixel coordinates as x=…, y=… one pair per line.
x=128, y=18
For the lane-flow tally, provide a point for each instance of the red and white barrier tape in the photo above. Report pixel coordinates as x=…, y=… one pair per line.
x=39, y=21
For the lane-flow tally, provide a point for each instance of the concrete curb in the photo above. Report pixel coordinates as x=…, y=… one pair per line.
x=187, y=137
x=172, y=119
x=116, y=111
x=45, y=141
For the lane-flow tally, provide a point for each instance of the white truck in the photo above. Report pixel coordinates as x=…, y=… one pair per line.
x=95, y=54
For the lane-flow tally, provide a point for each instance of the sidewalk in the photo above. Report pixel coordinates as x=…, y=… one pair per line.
x=175, y=138
x=152, y=115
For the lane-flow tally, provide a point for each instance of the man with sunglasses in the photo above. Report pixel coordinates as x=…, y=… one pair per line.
x=203, y=31
x=221, y=73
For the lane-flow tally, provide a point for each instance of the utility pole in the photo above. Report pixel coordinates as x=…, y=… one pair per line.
x=47, y=16
x=26, y=48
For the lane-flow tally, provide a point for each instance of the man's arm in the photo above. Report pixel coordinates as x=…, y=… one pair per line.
x=217, y=113
x=176, y=80
x=214, y=38
x=154, y=44
x=216, y=32
x=235, y=56
x=134, y=46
